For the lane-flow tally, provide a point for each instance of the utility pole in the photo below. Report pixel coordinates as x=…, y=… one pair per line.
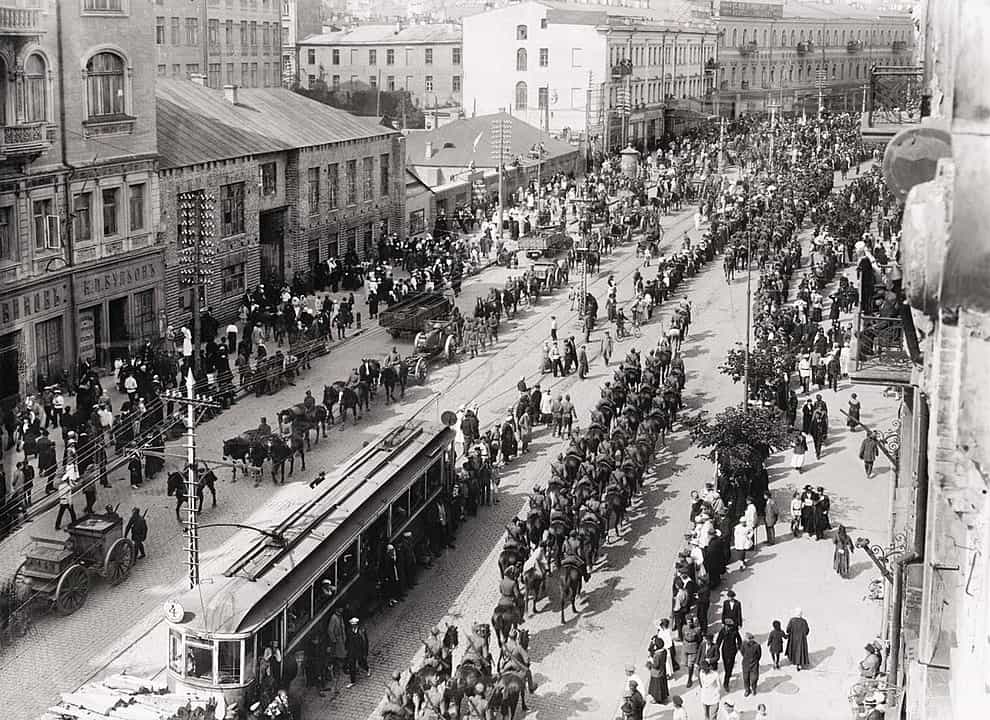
x=192, y=401
x=501, y=131
x=749, y=311
x=721, y=145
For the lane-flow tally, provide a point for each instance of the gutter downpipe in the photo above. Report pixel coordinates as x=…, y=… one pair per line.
x=913, y=557
x=66, y=190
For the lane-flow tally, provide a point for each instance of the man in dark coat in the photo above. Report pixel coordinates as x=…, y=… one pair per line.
x=728, y=642
x=732, y=609
x=751, y=653
x=797, y=640
x=137, y=526
x=357, y=649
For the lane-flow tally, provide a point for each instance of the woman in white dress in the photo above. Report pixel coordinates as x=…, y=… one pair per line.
x=799, y=451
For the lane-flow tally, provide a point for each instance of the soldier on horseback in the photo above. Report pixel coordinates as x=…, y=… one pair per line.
x=510, y=595
x=477, y=651
x=515, y=658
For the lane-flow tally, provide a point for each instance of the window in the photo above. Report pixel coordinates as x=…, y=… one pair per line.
x=159, y=30
x=192, y=69
x=136, y=200
x=544, y=57
x=228, y=35
x=335, y=56
x=351, y=182
x=314, y=190
x=35, y=89
x=456, y=83
x=542, y=97
x=311, y=56
x=521, y=32
x=232, y=279
x=48, y=347
x=384, y=177
x=82, y=217
x=390, y=83
x=429, y=56
x=577, y=57
x=254, y=35
x=543, y=23
x=429, y=83
x=373, y=81
x=105, y=84
x=176, y=32
x=213, y=34
x=243, y=36
x=176, y=71
x=455, y=56
x=162, y=70
x=417, y=222
x=335, y=82
x=269, y=181
x=192, y=32
x=232, y=209
x=111, y=206
x=214, y=78
x=145, y=319
x=368, y=171
x=333, y=185
x=254, y=74
x=372, y=57
x=8, y=238
x=521, y=96
x=244, y=74
x=521, y=60
x=103, y=5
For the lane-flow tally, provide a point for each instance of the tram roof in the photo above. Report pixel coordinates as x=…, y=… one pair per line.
x=269, y=574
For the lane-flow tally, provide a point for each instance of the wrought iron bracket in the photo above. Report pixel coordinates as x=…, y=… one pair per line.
x=884, y=558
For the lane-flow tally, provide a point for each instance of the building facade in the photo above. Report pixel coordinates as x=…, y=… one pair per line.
x=229, y=42
x=611, y=73
x=272, y=183
x=425, y=60
x=300, y=19
x=778, y=53
x=80, y=265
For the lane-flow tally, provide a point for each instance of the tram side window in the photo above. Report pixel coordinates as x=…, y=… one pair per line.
x=299, y=614
x=417, y=495
x=175, y=651
x=434, y=477
x=373, y=542
x=325, y=588
x=229, y=662
x=199, y=659
x=347, y=565
x=400, y=512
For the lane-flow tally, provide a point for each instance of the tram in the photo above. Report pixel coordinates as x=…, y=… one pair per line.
x=322, y=554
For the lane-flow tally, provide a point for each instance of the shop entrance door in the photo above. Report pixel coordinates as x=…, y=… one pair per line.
x=9, y=361
x=90, y=337
x=119, y=336
x=271, y=231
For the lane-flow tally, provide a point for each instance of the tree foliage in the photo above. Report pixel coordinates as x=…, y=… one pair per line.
x=741, y=439
x=361, y=99
x=765, y=366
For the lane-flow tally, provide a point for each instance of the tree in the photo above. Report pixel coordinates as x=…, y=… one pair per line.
x=741, y=440
x=765, y=366
x=362, y=99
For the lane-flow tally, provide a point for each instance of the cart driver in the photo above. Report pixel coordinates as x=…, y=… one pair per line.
x=393, y=359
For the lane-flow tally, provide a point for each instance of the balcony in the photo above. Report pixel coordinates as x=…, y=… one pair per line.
x=897, y=99
x=899, y=46
x=854, y=47
x=804, y=48
x=25, y=22
x=27, y=140
x=879, y=352
x=747, y=48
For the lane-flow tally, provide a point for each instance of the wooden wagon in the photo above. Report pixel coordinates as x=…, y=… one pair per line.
x=58, y=571
x=412, y=314
x=545, y=243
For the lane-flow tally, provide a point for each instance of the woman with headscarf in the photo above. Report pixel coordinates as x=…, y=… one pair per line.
x=797, y=640
x=843, y=549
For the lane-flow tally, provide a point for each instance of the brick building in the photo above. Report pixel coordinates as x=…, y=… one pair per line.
x=80, y=268
x=300, y=19
x=274, y=182
x=231, y=42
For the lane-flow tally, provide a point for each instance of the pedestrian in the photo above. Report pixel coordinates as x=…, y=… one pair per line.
x=732, y=609
x=843, y=549
x=567, y=415
x=728, y=642
x=691, y=640
x=553, y=328
x=65, y=490
x=583, y=362
x=357, y=650
x=796, y=507
x=665, y=634
x=868, y=452
x=852, y=414
x=137, y=526
x=797, y=640
x=657, y=664
x=631, y=677
x=742, y=540
x=232, y=338
x=336, y=647
x=608, y=346
x=751, y=653
x=798, y=452
x=775, y=643
x=709, y=695
x=525, y=431
x=555, y=361
x=770, y=517
x=557, y=412
x=730, y=711
x=135, y=470
x=679, y=712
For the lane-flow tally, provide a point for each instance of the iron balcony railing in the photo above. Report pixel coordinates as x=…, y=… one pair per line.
x=897, y=96
x=879, y=352
x=19, y=21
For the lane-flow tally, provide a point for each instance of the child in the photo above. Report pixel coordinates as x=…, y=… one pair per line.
x=679, y=712
x=775, y=643
x=796, y=506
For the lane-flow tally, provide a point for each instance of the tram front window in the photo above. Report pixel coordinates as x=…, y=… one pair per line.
x=175, y=651
x=229, y=661
x=199, y=659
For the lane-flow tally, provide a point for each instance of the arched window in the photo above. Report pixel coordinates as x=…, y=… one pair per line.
x=35, y=89
x=521, y=32
x=843, y=36
x=105, y=84
x=802, y=36
x=733, y=76
x=735, y=36
x=763, y=75
x=521, y=59
x=522, y=96
x=842, y=71
x=773, y=39
x=745, y=32
x=857, y=72
x=764, y=36
x=834, y=71
x=772, y=73
x=792, y=38
x=790, y=73
x=819, y=37
x=3, y=92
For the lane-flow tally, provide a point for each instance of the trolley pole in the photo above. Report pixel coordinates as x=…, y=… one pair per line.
x=192, y=402
x=501, y=131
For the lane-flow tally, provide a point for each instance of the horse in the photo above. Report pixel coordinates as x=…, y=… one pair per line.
x=615, y=501
x=570, y=575
x=507, y=692
x=176, y=485
x=388, y=379
x=348, y=399
x=512, y=555
x=278, y=450
x=506, y=617
x=535, y=584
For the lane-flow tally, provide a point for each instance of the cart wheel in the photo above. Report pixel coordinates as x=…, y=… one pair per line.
x=421, y=371
x=448, y=350
x=73, y=586
x=120, y=559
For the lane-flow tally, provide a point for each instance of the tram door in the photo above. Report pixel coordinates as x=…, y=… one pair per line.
x=269, y=639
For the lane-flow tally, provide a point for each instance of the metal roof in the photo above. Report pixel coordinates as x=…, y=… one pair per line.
x=269, y=575
x=461, y=142
x=667, y=12
x=389, y=35
x=196, y=124
x=794, y=9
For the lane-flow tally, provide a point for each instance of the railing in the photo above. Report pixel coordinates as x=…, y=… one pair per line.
x=747, y=48
x=803, y=48
x=879, y=351
x=32, y=138
x=19, y=21
x=853, y=46
x=896, y=95
x=899, y=46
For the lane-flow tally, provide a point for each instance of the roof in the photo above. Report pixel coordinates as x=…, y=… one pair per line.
x=387, y=35
x=269, y=575
x=196, y=124
x=461, y=142
x=660, y=11
x=816, y=11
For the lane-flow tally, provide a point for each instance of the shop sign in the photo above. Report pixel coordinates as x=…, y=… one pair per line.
x=28, y=305
x=87, y=335
x=118, y=280
x=731, y=8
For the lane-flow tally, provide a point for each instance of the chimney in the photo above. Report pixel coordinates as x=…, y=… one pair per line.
x=198, y=78
x=429, y=149
x=230, y=94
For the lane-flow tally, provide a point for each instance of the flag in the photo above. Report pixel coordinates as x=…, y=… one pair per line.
x=474, y=147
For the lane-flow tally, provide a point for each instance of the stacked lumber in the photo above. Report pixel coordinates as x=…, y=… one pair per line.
x=126, y=697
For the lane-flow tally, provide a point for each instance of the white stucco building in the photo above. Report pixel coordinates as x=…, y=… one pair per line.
x=609, y=71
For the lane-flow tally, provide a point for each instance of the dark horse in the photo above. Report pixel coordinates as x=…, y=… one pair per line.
x=347, y=398
x=570, y=576
x=177, y=486
x=388, y=379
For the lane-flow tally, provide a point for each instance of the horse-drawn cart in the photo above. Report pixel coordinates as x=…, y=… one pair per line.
x=545, y=243
x=413, y=313
x=58, y=571
x=437, y=339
